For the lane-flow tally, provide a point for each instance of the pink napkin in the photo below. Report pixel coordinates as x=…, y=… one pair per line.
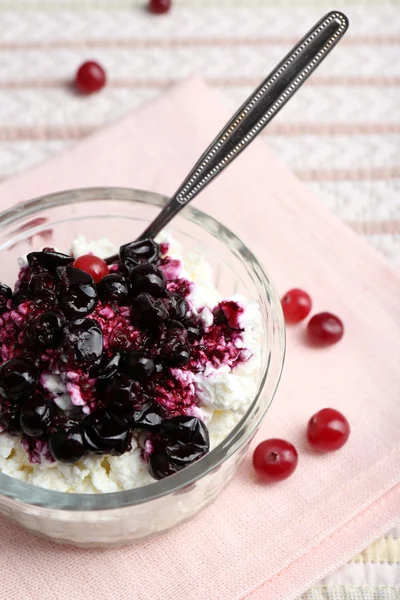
x=257, y=542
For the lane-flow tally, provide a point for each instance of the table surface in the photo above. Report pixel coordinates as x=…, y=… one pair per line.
x=340, y=134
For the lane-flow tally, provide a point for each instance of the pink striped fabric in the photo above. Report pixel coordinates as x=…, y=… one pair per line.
x=255, y=542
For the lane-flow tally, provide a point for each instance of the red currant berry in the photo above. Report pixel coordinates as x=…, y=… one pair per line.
x=90, y=77
x=275, y=459
x=325, y=329
x=95, y=266
x=296, y=305
x=159, y=7
x=328, y=430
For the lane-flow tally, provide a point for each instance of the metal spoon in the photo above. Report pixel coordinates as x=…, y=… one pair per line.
x=258, y=110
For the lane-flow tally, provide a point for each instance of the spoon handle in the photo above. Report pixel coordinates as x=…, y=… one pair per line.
x=258, y=110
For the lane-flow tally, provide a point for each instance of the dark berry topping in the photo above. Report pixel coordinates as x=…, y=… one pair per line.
x=21, y=294
x=42, y=286
x=10, y=417
x=148, y=279
x=76, y=291
x=138, y=252
x=48, y=260
x=122, y=393
x=186, y=430
x=149, y=417
x=5, y=295
x=105, y=432
x=115, y=343
x=160, y=466
x=177, y=307
x=67, y=445
x=194, y=330
x=176, y=333
x=137, y=365
x=158, y=365
x=220, y=317
x=173, y=324
x=82, y=343
x=174, y=349
x=180, y=356
x=108, y=367
x=46, y=329
x=18, y=379
x=124, y=339
x=113, y=288
x=148, y=312
x=228, y=314
x=35, y=418
x=183, y=440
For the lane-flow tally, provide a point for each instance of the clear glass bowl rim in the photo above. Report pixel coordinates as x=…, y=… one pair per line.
x=36, y=496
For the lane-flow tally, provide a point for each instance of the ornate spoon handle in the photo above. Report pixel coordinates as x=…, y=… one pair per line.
x=258, y=110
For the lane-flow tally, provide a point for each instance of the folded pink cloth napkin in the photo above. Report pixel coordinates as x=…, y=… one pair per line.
x=257, y=542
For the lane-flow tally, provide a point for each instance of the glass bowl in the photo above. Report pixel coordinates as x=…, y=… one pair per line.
x=121, y=215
